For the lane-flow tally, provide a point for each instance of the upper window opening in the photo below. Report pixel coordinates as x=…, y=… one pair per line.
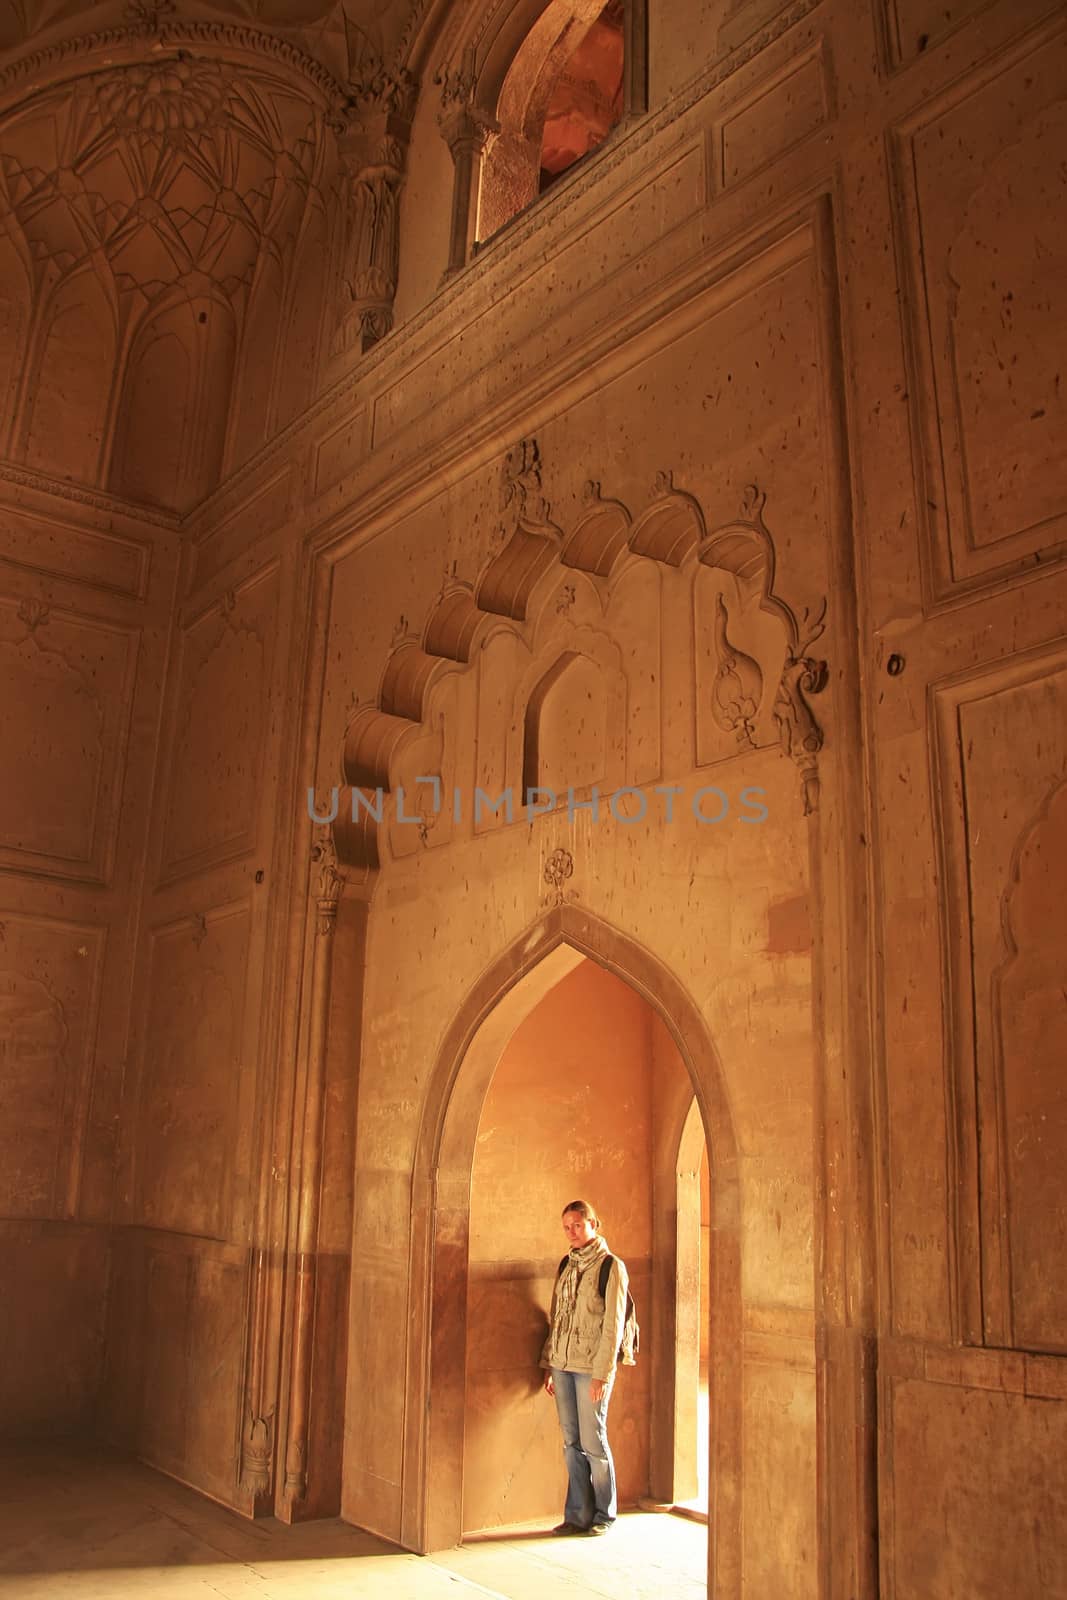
x=563, y=94
x=587, y=100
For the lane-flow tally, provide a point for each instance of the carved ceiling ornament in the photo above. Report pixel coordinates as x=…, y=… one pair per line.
x=160, y=171
x=165, y=209
x=71, y=58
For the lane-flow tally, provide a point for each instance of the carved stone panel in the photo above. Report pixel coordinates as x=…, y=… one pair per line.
x=190, y=1071
x=66, y=685
x=912, y=26
x=779, y=112
x=109, y=561
x=49, y=988
x=1006, y=858
x=224, y=687
x=986, y=233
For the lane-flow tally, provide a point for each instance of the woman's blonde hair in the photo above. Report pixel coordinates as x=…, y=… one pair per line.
x=584, y=1209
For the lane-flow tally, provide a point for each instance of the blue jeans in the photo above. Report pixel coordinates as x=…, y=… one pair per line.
x=591, y=1493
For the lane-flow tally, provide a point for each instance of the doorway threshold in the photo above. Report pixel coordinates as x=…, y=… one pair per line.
x=693, y=1510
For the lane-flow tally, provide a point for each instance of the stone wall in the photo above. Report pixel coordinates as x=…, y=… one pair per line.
x=730, y=464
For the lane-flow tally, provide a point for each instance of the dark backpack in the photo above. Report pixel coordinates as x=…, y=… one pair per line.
x=630, y=1343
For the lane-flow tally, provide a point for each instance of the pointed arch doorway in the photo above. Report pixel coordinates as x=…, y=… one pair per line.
x=441, y=1201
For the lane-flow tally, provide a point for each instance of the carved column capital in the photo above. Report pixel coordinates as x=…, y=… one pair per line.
x=467, y=131
x=331, y=882
x=373, y=151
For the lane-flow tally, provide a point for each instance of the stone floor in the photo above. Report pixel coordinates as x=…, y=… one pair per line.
x=78, y=1524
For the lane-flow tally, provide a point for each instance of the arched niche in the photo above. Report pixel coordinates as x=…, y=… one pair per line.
x=300, y=347
x=174, y=402
x=69, y=389
x=565, y=743
x=249, y=422
x=15, y=311
x=440, y=1222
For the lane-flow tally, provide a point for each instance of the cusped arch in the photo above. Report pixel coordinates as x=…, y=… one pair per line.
x=511, y=596
x=745, y=549
x=441, y=1185
x=600, y=535
x=671, y=527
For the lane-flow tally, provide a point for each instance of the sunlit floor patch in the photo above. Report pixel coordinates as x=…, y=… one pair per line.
x=81, y=1524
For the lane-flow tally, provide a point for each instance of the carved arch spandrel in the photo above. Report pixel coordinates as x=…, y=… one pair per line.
x=512, y=598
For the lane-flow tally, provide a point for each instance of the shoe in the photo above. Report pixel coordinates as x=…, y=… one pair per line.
x=566, y=1528
x=597, y=1528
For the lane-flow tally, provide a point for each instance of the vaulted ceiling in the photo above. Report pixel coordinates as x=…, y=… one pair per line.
x=347, y=36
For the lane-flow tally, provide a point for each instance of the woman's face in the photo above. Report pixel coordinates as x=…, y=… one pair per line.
x=579, y=1229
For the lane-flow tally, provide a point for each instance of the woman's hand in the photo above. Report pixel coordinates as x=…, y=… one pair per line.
x=550, y=1387
x=596, y=1390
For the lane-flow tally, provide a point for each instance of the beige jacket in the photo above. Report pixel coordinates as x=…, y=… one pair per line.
x=592, y=1342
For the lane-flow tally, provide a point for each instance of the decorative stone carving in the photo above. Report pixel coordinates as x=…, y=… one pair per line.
x=738, y=684
x=149, y=14
x=745, y=549
x=467, y=130
x=800, y=735
x=558, y=868
x=374, y=153
x=522, y=484
x=457, y=83
x=331, y=883
x=33, y=613
x=257, y=1451
x=180, y=33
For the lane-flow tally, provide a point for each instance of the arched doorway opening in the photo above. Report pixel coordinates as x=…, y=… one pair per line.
x=692, y=1343
x=441, y=1225
x=569, y=1113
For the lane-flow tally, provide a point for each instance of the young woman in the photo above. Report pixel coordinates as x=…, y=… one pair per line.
x=580, y=1354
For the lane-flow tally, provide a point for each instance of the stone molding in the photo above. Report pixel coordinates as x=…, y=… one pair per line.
x=174, y=33
x=110, y=505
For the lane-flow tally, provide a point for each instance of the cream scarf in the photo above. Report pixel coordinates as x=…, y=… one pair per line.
x=578, y=1263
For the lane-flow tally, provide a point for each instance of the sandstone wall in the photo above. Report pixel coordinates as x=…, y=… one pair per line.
x=774, y=380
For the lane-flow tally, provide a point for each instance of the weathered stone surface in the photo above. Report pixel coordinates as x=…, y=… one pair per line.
x=718, y=499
